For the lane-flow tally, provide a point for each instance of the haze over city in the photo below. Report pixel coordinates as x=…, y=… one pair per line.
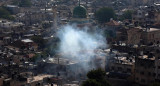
x=79, y=42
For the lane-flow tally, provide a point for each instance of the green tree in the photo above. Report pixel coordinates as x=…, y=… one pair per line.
x=104, y=14
x=39, y=40
x=34, y=58
x=128, y=14
x=96, y=74
x=38, y=56
x=25, y=3
x=90, y=82
x=96, y=78
x=4, y=13
x=52, y=49
x=155, y=84
x=15, y=2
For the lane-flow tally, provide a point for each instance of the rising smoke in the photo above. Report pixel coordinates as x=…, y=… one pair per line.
x=80, y=43
x=79, y=48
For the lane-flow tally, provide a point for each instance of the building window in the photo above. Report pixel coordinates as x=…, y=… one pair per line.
x=137, y=78
x=158, y=75
x=128, y=70
x=154, y=74
x=112, y=68
x=119, y=68
x=153, y=35
x=142, y=73
x=137, y=71
x=141, y=64
x=154, y=67
x=140, y=19
x=151, y=81
x=149, y=73
x=143, y=80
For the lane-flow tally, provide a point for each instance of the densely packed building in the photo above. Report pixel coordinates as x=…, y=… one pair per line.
x=28, y=44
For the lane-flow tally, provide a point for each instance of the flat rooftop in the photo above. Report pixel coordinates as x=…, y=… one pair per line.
x=27, y=40
x=146, y=57
x=62, y=61
x=124, y=60
x=38, y=78
x=153, y=29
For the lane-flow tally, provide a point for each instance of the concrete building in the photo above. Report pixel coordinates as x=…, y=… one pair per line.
x=129, y=35
x=139, y=17
x=139, y=35
x=147, y=68
x=122, y=67
x=146, y=15
x=150, y=36
x=34, y=17
x=9, y=24
x=144, y=70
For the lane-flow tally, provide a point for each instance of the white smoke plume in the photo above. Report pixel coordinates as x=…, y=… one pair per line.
x=79, y=43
